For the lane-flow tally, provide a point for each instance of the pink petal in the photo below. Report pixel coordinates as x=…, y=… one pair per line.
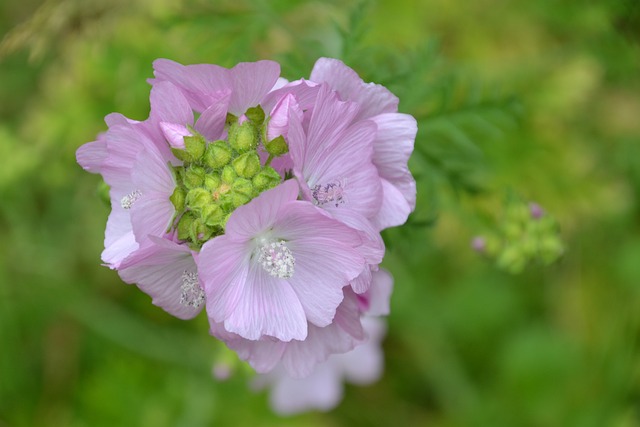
x=279, y=117
x=199, y=83
x=251, y=81
x=364, y=364
x=212, y=120
x=151, y=216
x=373, y=99
x=268, y=306
x=379, y=293
x=92, y=154
x=394, y=210
x=249, y=220
x=304, y=91
x=119, y=248
x=158, y=271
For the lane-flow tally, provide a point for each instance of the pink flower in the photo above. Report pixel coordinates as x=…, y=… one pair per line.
x=273, y=271
x=393, y=142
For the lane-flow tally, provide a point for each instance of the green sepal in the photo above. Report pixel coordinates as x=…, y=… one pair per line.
x=194, y=177
x=178, y=199
x=182, y=155
x=228, y=175
x=212, y=182
x=195, y=146
x=247, y=165
x=265, y=179
x=212, y=215
x=217, y=155
x=277, y=146
x=198, y=198
x=243, y=186
x=256, y=115
x=184, y=226
x=244, y=137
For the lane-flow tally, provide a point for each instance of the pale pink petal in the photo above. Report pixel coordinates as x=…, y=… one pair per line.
x=212, y=120
x=152, y=174
x=199, y=83
x=151, y=216
x=249, y=220
x=304, y=91
x=91, y=155
x=373, y=99
x=223, y=268
x=119, y=248
x=268, y=306
x=379, y=294
x=279, y=117
x=158, y=270
x=364, y=364
x=251, y=81
x=394, y=209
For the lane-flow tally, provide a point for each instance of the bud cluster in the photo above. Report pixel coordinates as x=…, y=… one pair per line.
x=218, y=176
x=527, y=234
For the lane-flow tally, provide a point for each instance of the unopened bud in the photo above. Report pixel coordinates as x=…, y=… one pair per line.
x=182, y=155
x=212, y=215
x=198, y=198
x=184, y=226
x=244, y=137
x=228, y=175
x=217, y=155
x=267, y=178
x=247, y=165
x=194, y=176
x=212, y=182
x=195, y=146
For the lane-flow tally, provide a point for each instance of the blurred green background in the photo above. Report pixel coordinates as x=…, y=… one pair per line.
x=516, y=100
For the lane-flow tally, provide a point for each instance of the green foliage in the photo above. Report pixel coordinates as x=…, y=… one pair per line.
x=535, y=98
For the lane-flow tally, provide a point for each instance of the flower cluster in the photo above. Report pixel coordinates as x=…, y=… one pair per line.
x=263, y=201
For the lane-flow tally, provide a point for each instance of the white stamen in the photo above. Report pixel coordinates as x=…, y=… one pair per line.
x=128, y=200
x=329, y=193
x=192, y=294
x=276, y=258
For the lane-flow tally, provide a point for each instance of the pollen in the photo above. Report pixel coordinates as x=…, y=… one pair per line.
x=276, y=258
x=127, y=201
x=191, y=294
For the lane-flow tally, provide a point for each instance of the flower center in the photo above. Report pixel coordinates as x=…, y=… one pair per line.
x=191, y=294
x=332, y=193
x=127, y=201
x=276, y=258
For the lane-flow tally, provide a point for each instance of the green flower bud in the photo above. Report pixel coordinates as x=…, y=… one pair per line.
x=198, y=198
x=247, y=165
x=177, y=198
x=212, y=215
x=184, y=226
x=244, y=137
x=277, y=146
x=228, y=175
x=243, y=186
x=217, y=155
x=195, y=146
x=182, y=155
x=194, y=176
x=212, y=182
x=199, y=231
x=231, y=119
x=266, y=178
x=256, y=115
x=512, y=259
x=239, y=199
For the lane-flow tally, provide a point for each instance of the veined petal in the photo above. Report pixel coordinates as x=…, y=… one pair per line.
x=159, y=269
x=211, y=122
x=373, y=99
x=174, y=134
x=279, y=117
x=249, y=220
x=119, y=248
x=223, y=266
x=268, y=306
x=251, y=81
x=394, y=209
x=379, y=294
x=151, y=215
x=91, y=155
x=393, y=144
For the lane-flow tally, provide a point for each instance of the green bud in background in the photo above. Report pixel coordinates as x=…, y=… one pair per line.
x=217, y=155
x=194, y=176
x=277, y=146
x=247, y=165
x=195, y=146
x=244, y=137
x=267, y=178
x=198, y=198
x=178, y=199
x=256, y=115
